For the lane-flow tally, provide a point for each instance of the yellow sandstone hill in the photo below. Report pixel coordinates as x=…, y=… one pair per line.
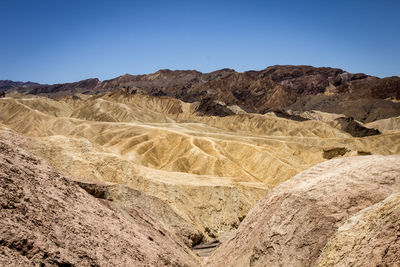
x=210, y=170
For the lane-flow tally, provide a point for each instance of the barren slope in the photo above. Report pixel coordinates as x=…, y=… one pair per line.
x=47, y=219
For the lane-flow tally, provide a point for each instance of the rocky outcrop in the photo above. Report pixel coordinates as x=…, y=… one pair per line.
x=369, y=238
x=294, y=222
x=47, y=219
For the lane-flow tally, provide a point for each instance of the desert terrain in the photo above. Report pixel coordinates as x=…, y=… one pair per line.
x=287, y=166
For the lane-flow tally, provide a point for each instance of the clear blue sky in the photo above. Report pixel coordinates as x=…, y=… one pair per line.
x=52, y=41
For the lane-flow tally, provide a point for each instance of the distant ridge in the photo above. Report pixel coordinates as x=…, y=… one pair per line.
x=299, y=88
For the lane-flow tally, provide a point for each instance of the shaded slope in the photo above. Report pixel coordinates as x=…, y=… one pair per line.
x=48, y=219
x=292, y=224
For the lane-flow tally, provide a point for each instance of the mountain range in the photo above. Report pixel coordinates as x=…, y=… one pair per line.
x=297, y=88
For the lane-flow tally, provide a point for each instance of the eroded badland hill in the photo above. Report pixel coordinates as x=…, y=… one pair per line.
x=285, y=167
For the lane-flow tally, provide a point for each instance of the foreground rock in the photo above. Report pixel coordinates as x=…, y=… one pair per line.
x=293, y=223
x=47, y=219
x=369, y=238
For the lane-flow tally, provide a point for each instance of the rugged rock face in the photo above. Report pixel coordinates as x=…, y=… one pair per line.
x=293, y=223
x=49, y=220
x=369, y=238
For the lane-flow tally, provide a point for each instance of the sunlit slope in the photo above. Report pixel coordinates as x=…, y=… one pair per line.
x=211, y=170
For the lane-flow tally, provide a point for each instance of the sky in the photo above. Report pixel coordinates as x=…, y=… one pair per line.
x=56, y=41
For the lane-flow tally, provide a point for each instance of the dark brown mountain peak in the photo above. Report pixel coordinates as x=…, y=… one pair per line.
x=224, y=70
x=283, y=72
x=8, y=85
x=222, y=73
x=176, y=72
x=67, y=88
